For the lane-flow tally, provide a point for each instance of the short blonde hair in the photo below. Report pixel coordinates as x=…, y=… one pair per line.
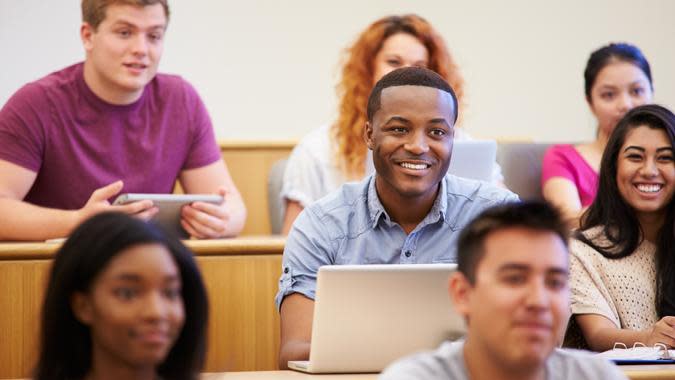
x=93, y=11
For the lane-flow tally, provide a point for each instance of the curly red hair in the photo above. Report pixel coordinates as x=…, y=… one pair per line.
x=357, y=82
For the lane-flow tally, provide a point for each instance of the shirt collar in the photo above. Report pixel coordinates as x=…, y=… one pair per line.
x=377, y=211
x=375, y=208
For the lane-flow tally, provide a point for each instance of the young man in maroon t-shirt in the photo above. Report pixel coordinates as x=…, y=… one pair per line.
x=73, y=140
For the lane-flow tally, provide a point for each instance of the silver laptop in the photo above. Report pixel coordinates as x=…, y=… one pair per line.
x=473, y=159
x=366, y=316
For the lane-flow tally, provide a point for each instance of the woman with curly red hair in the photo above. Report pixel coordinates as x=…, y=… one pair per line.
x=332, y=155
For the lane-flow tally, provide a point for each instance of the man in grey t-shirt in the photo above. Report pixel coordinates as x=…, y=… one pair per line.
x=512, y=288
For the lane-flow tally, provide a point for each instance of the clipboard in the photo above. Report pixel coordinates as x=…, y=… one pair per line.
x=639, y=354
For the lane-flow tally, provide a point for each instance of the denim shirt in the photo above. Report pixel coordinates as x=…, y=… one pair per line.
x=350, y=226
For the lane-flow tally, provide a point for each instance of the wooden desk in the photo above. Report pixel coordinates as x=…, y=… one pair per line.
x=284, y=375
x=241, y=277
x=663, y=372
x=649, y=372
x=638, y=372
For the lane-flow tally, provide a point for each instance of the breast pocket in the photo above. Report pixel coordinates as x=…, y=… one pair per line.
x=447, y=255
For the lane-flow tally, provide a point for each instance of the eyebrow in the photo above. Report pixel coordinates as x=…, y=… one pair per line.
x=132, y=25
x=611, y=86
x=401, y=119
x=523, y=267
x=396, y=55
x=439, y=121
x=641, y=149
x=138, y=278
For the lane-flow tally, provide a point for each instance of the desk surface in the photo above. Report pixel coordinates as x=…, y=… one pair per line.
x=634, y=372
x=284, y=375
x=259, y=244
x=649, y=372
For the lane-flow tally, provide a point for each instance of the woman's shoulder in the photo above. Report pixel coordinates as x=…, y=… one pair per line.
x=311, y=165
x=563, y=160
x=558, y=156
x=593, y=234
x=320, y=135
x=582, y=242
x=567, y=151
x=317, y=143
x=596, y=237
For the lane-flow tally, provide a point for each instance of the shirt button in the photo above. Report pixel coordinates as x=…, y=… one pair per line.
x=408, y=253
x=286, y=270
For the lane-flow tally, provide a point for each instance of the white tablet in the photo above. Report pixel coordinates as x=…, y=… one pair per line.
x=169, y=206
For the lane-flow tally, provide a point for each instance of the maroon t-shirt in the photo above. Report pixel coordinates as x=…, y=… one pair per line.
x=76, y=142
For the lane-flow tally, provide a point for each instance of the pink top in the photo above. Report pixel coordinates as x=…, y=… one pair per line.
x=564, y=161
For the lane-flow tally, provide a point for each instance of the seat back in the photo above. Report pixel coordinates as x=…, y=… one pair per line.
x=275, y=204
x=521, y=167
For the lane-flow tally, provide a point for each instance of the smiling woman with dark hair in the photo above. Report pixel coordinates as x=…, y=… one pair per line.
x=623, y=261
x=125, y=301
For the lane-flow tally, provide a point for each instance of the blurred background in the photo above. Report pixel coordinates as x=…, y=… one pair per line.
x=267, y=69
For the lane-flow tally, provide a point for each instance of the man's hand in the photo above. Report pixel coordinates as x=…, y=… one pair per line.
x=206, y=220
x=98, y=203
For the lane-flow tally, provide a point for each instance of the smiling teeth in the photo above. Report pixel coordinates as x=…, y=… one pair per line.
x=408, y=165
x=649, y=188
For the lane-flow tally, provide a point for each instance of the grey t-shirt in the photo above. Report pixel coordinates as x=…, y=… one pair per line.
x=447, y=362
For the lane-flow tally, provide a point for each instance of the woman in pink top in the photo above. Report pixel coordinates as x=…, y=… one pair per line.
x=617, y=79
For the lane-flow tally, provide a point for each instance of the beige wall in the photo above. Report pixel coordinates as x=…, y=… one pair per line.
x=266, y=68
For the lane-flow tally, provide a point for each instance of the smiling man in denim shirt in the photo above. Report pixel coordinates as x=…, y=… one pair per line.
x=409, y=211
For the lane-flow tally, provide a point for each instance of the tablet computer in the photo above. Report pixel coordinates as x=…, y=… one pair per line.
x=169, y=206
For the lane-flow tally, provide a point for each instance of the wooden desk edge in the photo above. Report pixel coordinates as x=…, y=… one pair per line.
x=261, y=245
x=632, y=372
x=286, y=144
x=643, y=372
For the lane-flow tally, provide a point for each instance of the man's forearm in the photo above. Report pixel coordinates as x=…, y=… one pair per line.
x=293, y=350
x=24, y=221
x=237, y=216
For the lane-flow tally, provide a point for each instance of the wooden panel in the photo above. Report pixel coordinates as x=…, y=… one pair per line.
x=249, y=164
x=244, y=325
x=241, y=278
x=22, y=285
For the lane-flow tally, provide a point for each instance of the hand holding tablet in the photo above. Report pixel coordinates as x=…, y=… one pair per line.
x=170, y=206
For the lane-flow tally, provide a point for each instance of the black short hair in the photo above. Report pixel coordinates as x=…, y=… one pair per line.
x=533, y=215
x=409, y=76
x=65, y=342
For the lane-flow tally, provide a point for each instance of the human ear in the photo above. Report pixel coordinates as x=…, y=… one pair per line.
x=459, y=288
x=368, y=135
x=86, y=33
x=80, y=304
